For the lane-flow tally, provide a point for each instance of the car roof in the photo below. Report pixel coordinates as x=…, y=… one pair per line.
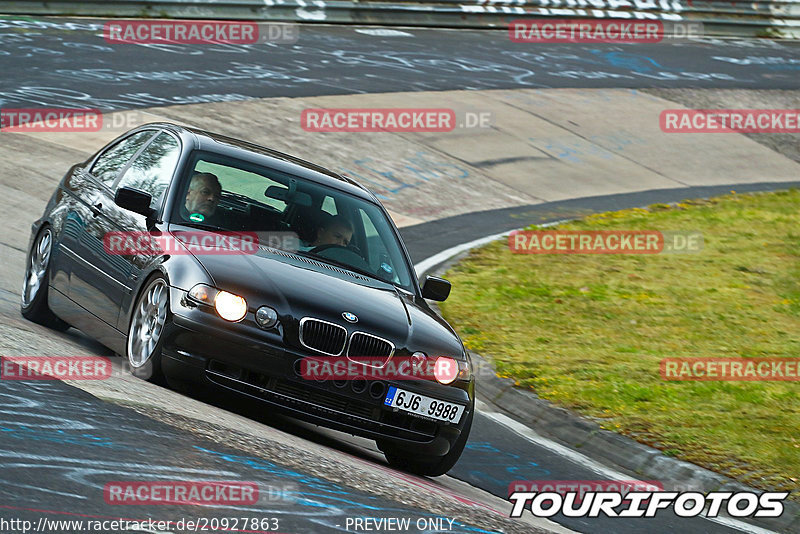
x=237, y=148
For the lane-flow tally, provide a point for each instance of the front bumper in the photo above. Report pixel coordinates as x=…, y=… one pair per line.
x=203, y=348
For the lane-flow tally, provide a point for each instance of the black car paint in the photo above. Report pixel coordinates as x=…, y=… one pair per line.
x=95, y=292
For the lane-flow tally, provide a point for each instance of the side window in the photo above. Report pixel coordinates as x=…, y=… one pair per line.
x=329, y=205
x=152, y=170
x=112, y=161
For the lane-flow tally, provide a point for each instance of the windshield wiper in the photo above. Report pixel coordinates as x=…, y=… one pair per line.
x=340, y=264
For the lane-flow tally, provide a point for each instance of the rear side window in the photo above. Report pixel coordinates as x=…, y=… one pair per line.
x=329, y=206
x=152, y=170
x=108, y=166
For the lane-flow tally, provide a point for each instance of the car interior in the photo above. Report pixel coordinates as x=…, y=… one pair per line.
x=253, y=202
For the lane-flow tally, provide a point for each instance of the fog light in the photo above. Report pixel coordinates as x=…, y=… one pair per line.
x=230, y=307
x=418, y=359
x=266, y=317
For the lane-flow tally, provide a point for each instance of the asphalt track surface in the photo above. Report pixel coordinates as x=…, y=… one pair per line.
x=60, y=475
x=63, y=68
x=48, y=471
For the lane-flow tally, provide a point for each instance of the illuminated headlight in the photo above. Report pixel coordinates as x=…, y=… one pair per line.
x=266, y=317
x=230, y=307
x=447, y=370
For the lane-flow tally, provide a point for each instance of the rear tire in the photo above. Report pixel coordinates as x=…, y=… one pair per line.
x=150, y=315
x=418, y=464
x=34, y=305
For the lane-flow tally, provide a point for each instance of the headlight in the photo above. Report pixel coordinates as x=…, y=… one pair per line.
x=446, y=369
x=230, y=307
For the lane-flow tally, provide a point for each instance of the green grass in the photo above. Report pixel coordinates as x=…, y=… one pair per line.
x=588, y=331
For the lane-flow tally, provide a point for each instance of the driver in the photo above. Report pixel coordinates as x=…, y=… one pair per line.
x=203, y=195
x=336, y=230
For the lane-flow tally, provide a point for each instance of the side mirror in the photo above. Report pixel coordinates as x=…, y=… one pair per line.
x=134, y=200
x=435, y=288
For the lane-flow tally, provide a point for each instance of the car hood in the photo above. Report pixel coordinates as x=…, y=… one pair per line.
x=298, y=287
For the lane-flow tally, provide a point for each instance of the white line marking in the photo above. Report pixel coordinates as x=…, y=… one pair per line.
x=584, y=461
x=571, y=455
x=383, y=32
x=445, y=255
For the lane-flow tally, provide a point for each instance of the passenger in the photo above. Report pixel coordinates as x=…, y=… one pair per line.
x=334, y=230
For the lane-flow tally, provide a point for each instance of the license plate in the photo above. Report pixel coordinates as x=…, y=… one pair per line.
x=423, y=405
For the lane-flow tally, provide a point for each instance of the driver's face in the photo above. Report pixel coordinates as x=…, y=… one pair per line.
x=202, y=197
x=334, y=235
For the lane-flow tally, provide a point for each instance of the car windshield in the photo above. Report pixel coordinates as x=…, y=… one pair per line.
x=293, y=214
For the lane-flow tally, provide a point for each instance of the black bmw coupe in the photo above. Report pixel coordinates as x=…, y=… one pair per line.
x=285, y=262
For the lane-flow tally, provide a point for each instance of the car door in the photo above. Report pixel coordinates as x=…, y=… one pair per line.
x=81, y=245
x=151, y=171
x=73, y=201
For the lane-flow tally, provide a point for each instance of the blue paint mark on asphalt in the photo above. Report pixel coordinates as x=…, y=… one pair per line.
x=326, y=494
x=55, y=436
x=500, y=468
x=633, y=62
x=421, y=168
x=604, y=147
x=275, y=469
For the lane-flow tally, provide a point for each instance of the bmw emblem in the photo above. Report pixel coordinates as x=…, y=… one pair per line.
x=350, y=317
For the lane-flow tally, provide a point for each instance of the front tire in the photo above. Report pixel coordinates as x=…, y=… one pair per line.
x=145, y=333
x=406, y=460
x=34, y=305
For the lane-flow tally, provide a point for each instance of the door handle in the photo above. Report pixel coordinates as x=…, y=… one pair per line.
x=97, y=209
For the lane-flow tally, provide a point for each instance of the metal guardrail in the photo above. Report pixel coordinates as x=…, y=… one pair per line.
x=765, y=18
